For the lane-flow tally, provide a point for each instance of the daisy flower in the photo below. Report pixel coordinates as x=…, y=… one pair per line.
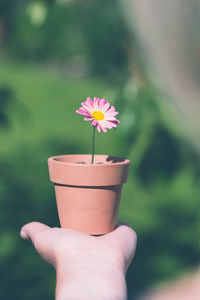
x=100, y=113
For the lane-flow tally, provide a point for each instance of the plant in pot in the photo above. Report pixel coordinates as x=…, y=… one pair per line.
x=88, y=187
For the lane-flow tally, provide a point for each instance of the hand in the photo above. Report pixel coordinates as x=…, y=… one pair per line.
x=88, y=267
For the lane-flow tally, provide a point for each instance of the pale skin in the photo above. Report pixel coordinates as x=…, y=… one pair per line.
x=87, y=267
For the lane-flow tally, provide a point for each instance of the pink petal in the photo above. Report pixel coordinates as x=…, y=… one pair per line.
x=94, y=123
x=102, y=103
x=88, y=119
x=99, y=128
x=89, y=102
x=107, y=124
x=84, y=113
x=113, y=125
x=105, y=108
x=112, y=113
x=85, y=105
x=116, y=121
x=109, y=118
x=104, y=129
x=98, y=101
x=96, y=105
x=112, y=108
x=82, y=108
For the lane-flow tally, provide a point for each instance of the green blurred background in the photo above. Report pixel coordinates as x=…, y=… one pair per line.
x=53, y=54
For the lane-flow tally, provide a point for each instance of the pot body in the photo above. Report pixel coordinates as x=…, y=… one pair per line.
x=88, y=195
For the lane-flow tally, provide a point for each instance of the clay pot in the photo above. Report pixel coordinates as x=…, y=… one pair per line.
x=88, y=195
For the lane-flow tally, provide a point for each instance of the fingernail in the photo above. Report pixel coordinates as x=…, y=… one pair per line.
x=24, y=235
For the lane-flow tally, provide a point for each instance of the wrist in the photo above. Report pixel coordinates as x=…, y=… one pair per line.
x=85, y=282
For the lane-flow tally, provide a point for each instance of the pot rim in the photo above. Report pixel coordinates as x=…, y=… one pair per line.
x=111, y=160
x=69, y=172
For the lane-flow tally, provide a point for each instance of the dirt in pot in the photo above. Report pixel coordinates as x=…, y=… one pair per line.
x=82, y=162
x=114, y=159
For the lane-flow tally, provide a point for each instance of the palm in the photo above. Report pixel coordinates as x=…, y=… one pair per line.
x=56, y=244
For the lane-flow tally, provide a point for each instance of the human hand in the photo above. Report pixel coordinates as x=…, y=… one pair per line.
x=88, y=267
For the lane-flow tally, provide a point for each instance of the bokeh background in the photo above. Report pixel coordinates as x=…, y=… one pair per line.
x=55, y=53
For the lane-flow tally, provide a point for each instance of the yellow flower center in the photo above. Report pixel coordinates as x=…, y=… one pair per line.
x=98, y=115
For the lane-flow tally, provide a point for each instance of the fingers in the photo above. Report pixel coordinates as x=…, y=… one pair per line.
x=125, y=234
x=126, y=239
x=42, y=238
x=30, y=230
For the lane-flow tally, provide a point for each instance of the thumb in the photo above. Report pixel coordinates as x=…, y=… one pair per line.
x=30, y=230
x=41, y=237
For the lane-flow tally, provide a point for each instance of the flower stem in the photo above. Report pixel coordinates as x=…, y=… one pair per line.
x=93, y=139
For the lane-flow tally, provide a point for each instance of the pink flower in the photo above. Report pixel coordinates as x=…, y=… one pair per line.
x=100, y=112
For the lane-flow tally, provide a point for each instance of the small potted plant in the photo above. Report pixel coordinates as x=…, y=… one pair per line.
x=88, y=187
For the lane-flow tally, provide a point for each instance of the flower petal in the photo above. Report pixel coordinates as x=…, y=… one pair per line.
x=108, y=124
x=88, y=119
x=99, y=128
x=94, y=123
x=112, y=113
x=87, y=107
x=96, y=104
x=98, y=101
x=116, y=121
x=89, y=103
x=105, y=107
x=102, y=103
x=84, y=109
x=109, y=118
x=84, y=113
x=112, y=108
x=104, y=129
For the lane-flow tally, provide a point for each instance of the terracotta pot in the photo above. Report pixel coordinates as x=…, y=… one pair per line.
x=88, y=195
